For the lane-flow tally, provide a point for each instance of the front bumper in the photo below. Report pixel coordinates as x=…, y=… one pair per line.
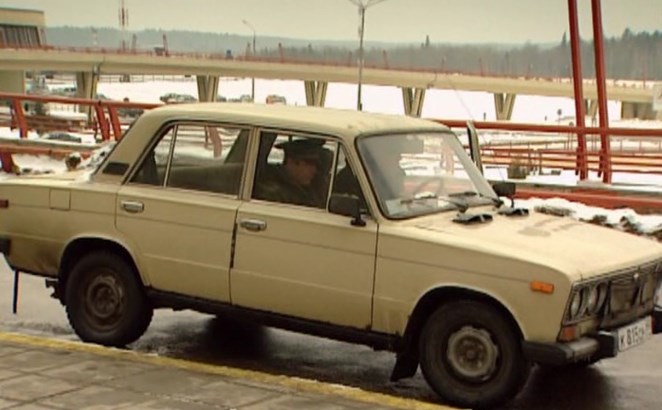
x=586, y=349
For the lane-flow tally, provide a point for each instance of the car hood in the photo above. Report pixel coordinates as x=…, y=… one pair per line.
x=579, y=249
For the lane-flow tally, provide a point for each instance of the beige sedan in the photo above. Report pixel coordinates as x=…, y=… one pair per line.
x=367, y=228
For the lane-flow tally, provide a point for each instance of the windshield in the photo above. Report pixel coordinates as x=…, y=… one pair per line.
x=420, y=173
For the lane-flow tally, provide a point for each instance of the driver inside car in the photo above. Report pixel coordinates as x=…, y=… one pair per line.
x=295, y=181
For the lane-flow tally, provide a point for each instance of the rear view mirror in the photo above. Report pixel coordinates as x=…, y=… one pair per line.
x=506, y=189
x=347, y=205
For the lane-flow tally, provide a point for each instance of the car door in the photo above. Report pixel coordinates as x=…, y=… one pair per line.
x=301, y=260
x=178, y=209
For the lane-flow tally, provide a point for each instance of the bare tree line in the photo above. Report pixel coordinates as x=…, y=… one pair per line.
x=632, y=56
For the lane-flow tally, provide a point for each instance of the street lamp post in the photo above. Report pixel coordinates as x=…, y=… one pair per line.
x=363, y=6
x=252, y=79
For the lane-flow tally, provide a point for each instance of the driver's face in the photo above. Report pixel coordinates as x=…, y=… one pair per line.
x=302, y=171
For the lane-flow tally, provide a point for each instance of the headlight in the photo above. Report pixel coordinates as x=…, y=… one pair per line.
x=575, y=304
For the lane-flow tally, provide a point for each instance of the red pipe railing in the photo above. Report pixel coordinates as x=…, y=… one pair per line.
x=105, y=117
x=578, y=85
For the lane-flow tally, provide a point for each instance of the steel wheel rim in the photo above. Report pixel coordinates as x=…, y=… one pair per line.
x=104, y=300
x=472, y=354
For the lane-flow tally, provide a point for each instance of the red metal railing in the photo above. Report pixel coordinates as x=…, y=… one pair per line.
x=102, y=118
x=573, y=156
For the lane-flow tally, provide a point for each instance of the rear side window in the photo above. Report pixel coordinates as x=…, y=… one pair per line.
x=199, y=157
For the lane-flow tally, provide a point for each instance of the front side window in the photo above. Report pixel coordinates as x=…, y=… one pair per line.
x=421, y=173
x=294, y=169
x=345, y=181
x=200, y=157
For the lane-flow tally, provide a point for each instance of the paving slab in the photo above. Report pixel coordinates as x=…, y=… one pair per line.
x=32, y=387
x=38, y=360
x=292, y=402
x=98, y=398
x=97, y=370
x=11, y=349
x=8, y=374
x=31, y=406
x=7, y=403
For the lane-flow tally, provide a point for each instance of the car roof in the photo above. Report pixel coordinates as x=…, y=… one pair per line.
x=347, y=123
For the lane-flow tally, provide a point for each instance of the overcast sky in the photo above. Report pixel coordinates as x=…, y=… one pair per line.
x=450, y=21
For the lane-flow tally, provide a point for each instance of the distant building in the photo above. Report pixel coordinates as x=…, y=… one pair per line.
x=22, y=28
x=19, y=28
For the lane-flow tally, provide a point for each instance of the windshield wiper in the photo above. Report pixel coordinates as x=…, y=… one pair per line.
x=408, y=201
x=465, y=194
x=461, y=205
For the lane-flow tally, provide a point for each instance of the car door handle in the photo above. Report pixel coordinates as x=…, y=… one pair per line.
x=133, y=207
x=254, y=225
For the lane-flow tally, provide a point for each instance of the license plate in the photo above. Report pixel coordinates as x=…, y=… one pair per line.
x=634, y=334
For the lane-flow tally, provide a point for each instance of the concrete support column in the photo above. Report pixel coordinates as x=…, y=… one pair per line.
x=627, y=110
x=591, y=108
x=86, y=87
x=645, y=111
x=207, y=87
x=12, y=81
x=503, y=106
x=413, y=99
x=86, y=84
x=315, y=92
x=642, y=111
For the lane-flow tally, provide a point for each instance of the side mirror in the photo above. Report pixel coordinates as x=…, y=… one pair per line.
x=506, y=189
x=347, y=205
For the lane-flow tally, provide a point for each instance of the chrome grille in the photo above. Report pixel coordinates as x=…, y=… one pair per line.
x=631, y=295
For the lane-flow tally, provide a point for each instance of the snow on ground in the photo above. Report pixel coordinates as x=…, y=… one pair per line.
x=30, y=164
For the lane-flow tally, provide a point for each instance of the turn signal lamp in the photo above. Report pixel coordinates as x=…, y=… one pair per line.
x=568, y=333
x=543, y=287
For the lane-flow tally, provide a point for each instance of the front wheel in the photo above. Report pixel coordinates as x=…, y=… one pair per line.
x=471, y=356
x=105, y=301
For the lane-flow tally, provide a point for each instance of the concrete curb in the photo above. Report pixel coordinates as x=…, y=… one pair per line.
x=305, y=385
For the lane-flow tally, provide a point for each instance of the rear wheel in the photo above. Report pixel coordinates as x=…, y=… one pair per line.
x=105, y=301
x=471, y=355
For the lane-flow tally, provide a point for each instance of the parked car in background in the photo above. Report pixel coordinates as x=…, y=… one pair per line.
x=244, y=98
x=64, y=91
x=275, y=99
x=176, y=98
x=62, y=136
x=69, y=137
x=305, y=218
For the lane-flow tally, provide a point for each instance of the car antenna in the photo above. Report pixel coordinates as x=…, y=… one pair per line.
x=474, y=139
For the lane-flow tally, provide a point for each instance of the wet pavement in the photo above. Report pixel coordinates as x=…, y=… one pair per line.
x=629, y=381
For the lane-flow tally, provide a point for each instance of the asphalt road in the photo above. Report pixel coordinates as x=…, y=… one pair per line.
x=630, y=381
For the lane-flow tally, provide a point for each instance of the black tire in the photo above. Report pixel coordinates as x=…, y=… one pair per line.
x=105, y=301
x=471, y=356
